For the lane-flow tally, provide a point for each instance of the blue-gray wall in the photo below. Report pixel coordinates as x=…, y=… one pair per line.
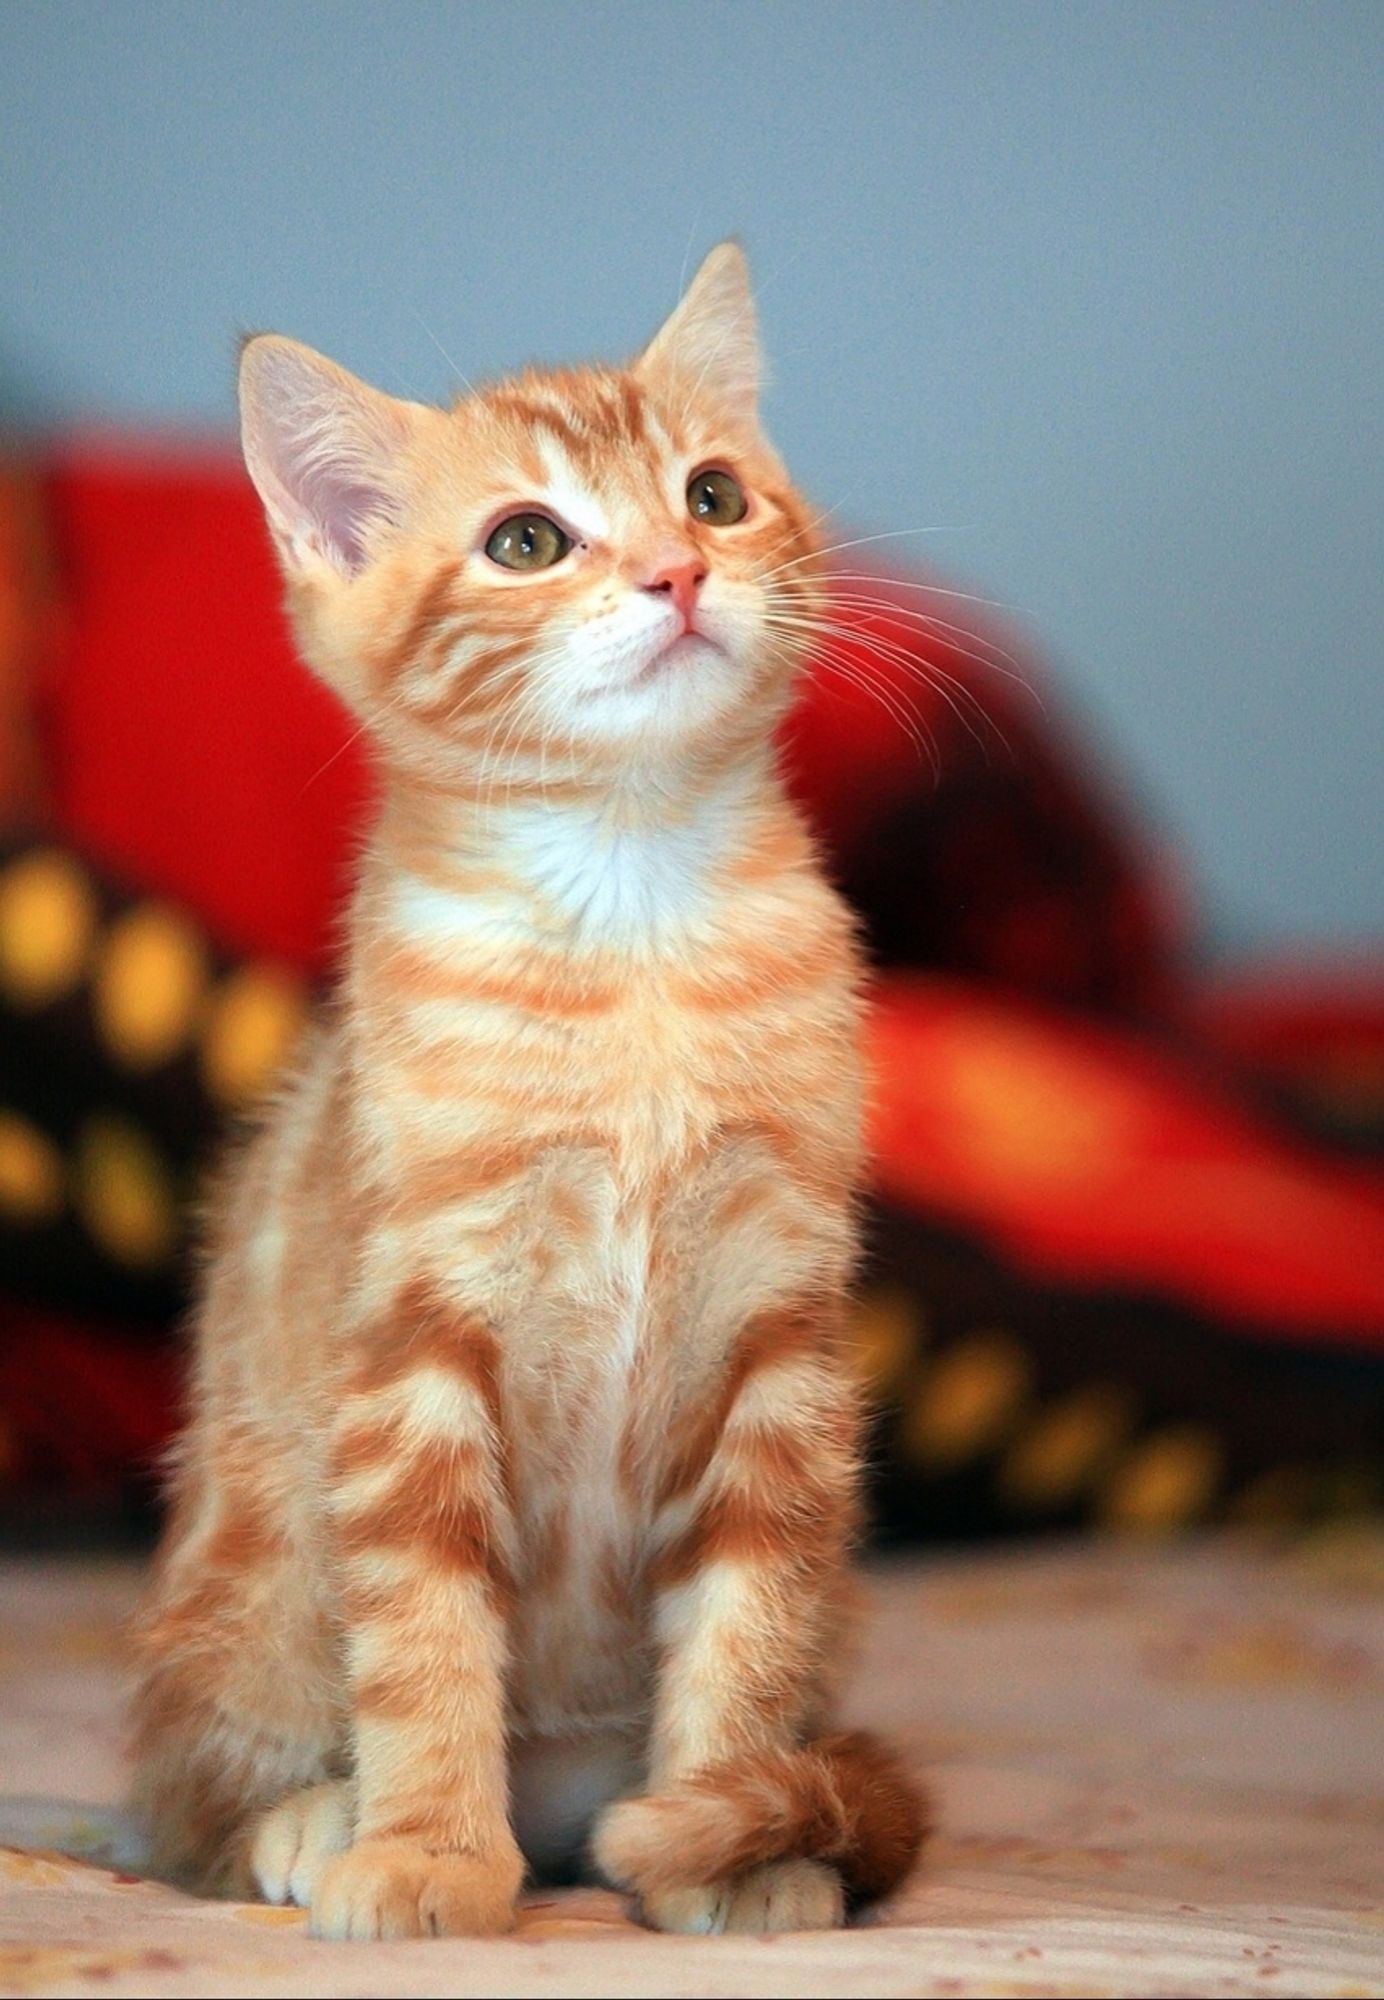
x=1092, y=290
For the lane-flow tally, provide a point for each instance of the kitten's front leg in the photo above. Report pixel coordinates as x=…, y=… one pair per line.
x=421, y=1526
x=743, y=1602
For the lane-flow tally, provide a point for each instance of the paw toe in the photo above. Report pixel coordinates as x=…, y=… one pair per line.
x=291, y=1844
x=398, y=1889
x=699, y=1912
x=780, y=1896
x=786, y=1896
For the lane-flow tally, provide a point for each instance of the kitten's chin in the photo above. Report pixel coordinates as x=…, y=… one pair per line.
x=685, y=683
x=680, y=656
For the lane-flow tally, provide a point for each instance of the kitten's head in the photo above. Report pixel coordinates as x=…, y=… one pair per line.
x=600, y=561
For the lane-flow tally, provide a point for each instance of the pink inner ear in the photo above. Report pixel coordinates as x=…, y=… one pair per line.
x=319, y=448
x=342, y=508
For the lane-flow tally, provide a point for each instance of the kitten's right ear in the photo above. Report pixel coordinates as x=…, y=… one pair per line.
x=325, y=452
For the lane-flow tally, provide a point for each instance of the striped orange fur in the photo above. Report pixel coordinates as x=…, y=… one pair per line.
x=510, y=1523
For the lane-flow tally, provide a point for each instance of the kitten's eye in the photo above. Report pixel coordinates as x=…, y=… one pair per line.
x=528, y=541
x=716, y=498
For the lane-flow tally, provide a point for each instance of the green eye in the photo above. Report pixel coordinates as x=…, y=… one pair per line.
x=716, y=498
x=528, y=541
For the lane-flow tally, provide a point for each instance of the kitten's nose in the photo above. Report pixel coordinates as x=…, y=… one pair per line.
x=680, y=580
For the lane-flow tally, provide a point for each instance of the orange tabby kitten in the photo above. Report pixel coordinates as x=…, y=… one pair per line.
x=512, y=1515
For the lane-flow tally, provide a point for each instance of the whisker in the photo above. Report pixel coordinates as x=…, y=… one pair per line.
x=938, y=678
x=821, y=651
x=912, y=725
x=937, y=626
x=464, y=379
x=952, y=691
x=542, y=667
x=930, y=622
x=860, y=542
x=340, y=751
x=891, y=581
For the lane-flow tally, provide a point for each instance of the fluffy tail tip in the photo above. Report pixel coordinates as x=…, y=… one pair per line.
x=844, y=1799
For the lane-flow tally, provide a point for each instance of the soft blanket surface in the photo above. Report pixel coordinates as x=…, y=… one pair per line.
x=1155, y=1773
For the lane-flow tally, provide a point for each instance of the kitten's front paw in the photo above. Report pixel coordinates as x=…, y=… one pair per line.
x=398, y=1889
x=780, y=1896
x=292, y=1843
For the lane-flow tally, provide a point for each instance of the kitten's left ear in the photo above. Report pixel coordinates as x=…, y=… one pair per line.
x=711, y=341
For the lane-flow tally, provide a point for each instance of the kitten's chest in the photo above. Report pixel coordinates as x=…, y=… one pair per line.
x=637, y=1300
x=608, y=1150
x=581, y=1377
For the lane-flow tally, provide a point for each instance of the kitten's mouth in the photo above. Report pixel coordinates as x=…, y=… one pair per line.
x=686, y=648
x=678, y=655
x=689, y=649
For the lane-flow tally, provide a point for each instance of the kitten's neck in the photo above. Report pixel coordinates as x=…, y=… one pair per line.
x=636, y=861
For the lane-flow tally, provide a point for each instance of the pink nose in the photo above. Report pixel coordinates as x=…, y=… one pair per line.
x=680, y=581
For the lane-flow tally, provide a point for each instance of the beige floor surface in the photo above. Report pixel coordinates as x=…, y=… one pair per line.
x=1156, y=1774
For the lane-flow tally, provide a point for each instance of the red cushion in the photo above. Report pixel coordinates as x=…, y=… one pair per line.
x=84, y=1405
x=1095, y=1157
x=1313, y=1021
x=188, y=748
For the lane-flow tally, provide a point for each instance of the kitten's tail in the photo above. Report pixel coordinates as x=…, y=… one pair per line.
x=842, y=1799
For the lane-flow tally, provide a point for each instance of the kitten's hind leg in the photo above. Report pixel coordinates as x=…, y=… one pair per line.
x=291, y=1843
x=237, y=1706
x=202, y=1783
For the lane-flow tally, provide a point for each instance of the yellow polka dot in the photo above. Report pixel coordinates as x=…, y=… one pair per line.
x=124, y=1194
x=1165, y=1482
x=887, y=1330
x=31, y=1177
x=1065, y=1447
x=47, y=915
x=967, y=1400
x=148, y=984
x=251, y=1026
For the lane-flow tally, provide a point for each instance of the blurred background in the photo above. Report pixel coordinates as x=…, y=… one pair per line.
x=1088, y=295
x=1073, y=307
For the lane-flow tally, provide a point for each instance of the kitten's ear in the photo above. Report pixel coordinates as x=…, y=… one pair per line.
x=711, y=339
x=324, y=450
